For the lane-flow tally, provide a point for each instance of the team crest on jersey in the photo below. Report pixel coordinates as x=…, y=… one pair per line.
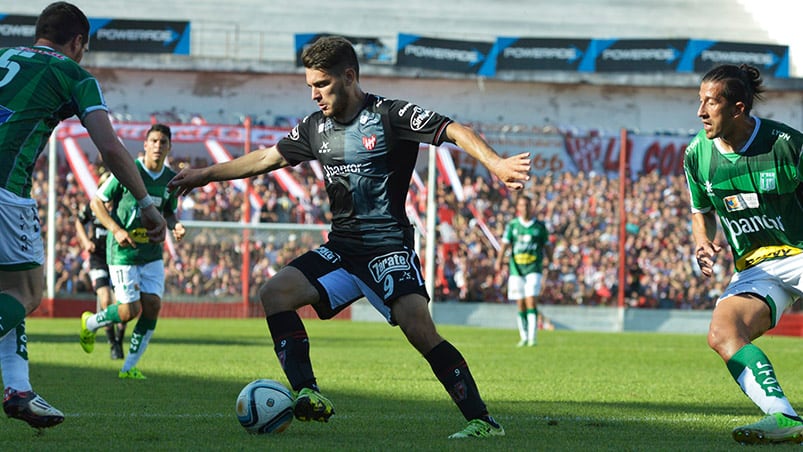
x=766, y=181
x=369, y=142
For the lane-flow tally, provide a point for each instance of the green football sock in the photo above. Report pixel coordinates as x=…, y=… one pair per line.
x=754, y=373
x=12, y=313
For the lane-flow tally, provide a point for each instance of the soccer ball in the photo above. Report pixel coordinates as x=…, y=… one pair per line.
x=265, y=406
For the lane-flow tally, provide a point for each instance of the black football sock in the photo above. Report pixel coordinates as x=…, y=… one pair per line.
x=119, y=332
x=110, y=333
x=451, y=369
x=291, y=344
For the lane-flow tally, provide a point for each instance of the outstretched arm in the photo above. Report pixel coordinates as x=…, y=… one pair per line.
x=513, y=171
x=261, y=161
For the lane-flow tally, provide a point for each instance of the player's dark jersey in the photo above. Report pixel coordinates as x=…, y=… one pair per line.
x=367, y=167
x=38, y=88
x=96, y=231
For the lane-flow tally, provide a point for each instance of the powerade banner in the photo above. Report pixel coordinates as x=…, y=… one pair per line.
x=139, y=36
x=17, y=30
x=633, y=55
x=369, y=49
x=533, y=54
x=441, y=54
x=703, y=55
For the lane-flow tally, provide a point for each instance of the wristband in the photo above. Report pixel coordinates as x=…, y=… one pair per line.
x=145, y=202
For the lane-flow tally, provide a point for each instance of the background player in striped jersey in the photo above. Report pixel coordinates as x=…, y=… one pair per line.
x=40, y=86
x=748, y=171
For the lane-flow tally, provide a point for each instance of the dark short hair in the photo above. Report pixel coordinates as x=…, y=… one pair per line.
x=60, y=22
x=740, y=83
x=165, y=130
x=331, y=54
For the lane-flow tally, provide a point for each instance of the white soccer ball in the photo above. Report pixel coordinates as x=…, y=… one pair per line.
x=265, y=406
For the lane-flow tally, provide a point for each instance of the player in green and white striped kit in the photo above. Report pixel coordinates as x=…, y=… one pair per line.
x=41, y=85
x=136, y=267
x=528, y=240
x=748, y=171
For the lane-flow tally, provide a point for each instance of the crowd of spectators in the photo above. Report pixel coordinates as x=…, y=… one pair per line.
x=580, y=210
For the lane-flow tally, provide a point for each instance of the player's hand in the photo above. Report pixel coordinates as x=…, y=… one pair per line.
x=187, y=179
x=179, y=231
x=514, y=171
x=705, y=255
x=153, y=221
x=124, y=239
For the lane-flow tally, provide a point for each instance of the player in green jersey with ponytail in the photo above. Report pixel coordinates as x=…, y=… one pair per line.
x=41, y=85
x=748, y=172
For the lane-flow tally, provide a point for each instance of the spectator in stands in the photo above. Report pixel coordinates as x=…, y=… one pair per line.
x=135, y=264
x=748, y=172
x=42, y=85
x=370, y=250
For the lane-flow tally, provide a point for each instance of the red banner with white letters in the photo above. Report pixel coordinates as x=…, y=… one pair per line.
x=550, y=152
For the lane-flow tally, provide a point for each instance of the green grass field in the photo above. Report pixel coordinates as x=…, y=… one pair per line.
x=574, y=391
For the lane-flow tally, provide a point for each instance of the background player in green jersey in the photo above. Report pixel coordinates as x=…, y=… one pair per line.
x=135, y=264
x=748, y=171
x=40, y=86
x=93, y=237
x=528, y=240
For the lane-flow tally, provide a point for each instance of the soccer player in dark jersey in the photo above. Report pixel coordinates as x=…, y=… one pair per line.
x=41, y=85
x=748, y=171
x=367, y=146
x=92, y=235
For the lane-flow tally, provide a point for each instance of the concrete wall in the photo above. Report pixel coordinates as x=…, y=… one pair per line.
x=576, y=318
x=225, y=78
x=222, y=97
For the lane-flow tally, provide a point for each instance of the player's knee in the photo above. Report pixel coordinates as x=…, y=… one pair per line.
x=151, y=305
x=724, y=339
x=129, y=311
x=287, y=292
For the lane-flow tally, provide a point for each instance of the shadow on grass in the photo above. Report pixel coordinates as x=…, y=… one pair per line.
x=196, y=412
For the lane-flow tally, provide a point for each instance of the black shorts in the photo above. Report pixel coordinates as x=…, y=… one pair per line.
x=99, y=271
x=380, y=276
